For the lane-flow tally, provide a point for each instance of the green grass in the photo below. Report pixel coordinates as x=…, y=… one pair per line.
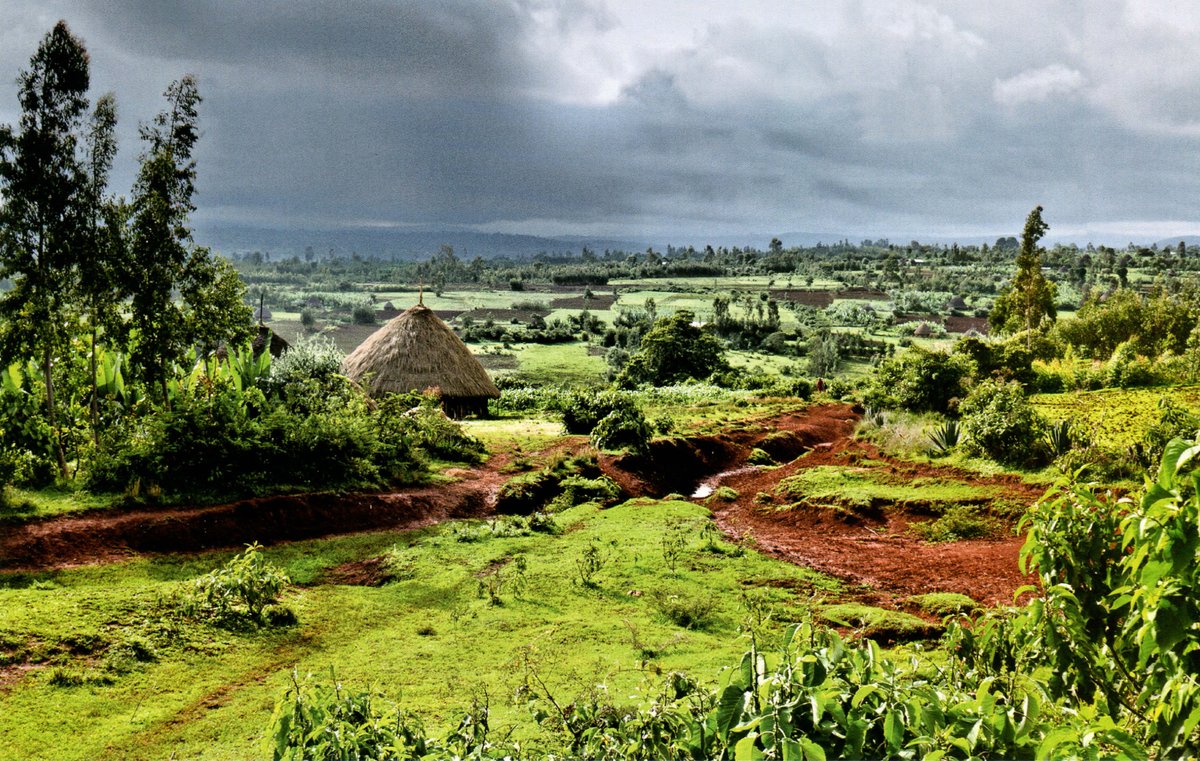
x=428, y=641
x=943, y=603
x=522, y=434
x=878, y=623
x=559, y=364
x=29, y=504
x=863, y=485
x=1115, y=417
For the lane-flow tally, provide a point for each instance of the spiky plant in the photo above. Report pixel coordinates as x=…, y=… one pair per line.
x=1060, y=438
x=945, y=437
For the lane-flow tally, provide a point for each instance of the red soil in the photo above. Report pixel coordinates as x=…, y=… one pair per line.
x=874, y=550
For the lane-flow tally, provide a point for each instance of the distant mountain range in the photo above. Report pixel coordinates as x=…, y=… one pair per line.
x=393, y=244
x=421, y=244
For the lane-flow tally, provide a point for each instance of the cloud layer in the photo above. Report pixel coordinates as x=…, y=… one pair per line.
x=663, y=118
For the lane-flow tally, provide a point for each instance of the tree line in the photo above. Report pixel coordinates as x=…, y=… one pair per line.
x=80, y=260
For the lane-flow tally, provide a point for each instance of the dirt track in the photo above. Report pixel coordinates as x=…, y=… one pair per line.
x=879, y=553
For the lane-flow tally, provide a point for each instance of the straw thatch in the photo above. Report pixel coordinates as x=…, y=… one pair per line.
x=417, y=351
x=267, y=339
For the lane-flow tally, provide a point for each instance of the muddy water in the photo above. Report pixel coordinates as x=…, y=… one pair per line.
x=706, y=487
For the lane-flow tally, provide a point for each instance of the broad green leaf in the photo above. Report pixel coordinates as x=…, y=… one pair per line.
x=861, y=694
x=747, y=750
x=893, y=730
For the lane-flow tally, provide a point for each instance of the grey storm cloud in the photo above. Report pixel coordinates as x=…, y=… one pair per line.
x=626, y=117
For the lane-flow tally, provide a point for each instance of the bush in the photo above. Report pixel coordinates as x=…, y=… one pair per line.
x=1126, y=369
x=244, y=588
x=216, y=441
x=582, y=411
x=919, y=381
x=1000, y=423
x=363, y=314
x=429, y=428
x=687, y=611
x=623, y=428
x=309, y=371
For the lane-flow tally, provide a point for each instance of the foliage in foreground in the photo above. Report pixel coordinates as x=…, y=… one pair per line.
x=247, y=588
x=1104, y=664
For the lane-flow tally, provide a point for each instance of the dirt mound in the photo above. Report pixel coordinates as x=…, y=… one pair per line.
x=115, y=534
x=874, y=546
x=372, y=572
x=678, y=464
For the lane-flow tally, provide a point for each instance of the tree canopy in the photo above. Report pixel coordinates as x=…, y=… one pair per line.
x=1028, y=300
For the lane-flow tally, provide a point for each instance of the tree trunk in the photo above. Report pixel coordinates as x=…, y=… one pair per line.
x=52, y=414
x=95, y=405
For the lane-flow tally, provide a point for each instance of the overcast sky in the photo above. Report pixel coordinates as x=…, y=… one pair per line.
x=662, y=117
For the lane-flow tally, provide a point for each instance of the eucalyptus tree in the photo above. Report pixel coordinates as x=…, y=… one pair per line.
x=103, y=282
x=41, y=181
x=183, y=295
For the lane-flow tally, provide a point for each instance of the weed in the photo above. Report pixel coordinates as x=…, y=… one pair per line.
x=687, y=611
x=945, y=437
x=958, y=522
x=240, y=589
x=674, y=543
x=589, y=563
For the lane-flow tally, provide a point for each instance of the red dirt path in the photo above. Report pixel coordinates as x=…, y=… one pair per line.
x=876, y=552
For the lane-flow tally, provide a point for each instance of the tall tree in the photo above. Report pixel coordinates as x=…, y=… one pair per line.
x=1028, y=300
x=163, y=255
x=41, y=180
x=100, y=250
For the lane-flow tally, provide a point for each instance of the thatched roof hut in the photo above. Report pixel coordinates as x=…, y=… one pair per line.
x=417, y=351
x=267, y=339
x=923, y=330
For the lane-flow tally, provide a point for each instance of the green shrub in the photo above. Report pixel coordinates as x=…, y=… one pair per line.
x=945, y=437
x=577, y=489
x=1000, y=423
x=364, y=314
x=685, y=610
x=959, y=522
x=919, y=381
x=243, y=588
x=1128, y=369
x=324, y=721
x=217, y=441
x=427, y=426
x=582, y=410
x=623, y=428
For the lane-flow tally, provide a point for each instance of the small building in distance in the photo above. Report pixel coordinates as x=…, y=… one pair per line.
x=416, y=351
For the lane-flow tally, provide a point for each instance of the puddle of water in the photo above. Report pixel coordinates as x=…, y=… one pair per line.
x=709, y=485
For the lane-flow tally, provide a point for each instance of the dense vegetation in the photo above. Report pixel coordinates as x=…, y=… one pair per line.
x=128, y=376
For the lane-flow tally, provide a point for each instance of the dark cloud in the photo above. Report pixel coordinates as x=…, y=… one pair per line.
x=893, y=118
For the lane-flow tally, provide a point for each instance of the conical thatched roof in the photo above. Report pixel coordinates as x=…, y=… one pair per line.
x=416, y=351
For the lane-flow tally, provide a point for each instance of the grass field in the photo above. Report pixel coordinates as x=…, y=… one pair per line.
x=1119, y=417
x=429, y=639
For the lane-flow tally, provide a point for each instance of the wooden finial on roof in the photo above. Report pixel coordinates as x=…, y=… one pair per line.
x=421, y=294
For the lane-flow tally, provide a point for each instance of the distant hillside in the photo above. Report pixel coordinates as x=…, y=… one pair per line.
x=398, y=244
x=1188, y=240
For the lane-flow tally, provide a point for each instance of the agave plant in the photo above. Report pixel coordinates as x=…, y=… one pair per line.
x=1060, y=438
x=945, y=437
x=874, y=417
